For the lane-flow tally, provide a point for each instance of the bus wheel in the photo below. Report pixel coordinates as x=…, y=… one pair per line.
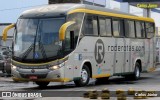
x=42, y=84
x=136, y=74
x=102, y=80
x=85, y=77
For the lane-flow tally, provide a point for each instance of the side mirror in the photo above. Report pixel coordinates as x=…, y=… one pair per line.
x=63, y=29
x=5, y=31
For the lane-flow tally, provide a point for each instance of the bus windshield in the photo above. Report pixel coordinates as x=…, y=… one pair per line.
x=38, y=39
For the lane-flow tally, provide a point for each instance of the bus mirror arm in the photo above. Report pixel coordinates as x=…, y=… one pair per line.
x=5, y=31
x=64, y=28
x=72, y=39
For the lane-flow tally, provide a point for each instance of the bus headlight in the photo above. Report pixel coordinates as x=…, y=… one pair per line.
x=57, y=66
x=14, y=67
x=54, y=67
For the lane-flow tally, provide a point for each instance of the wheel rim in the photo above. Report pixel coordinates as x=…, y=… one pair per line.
x=84, y=75
x=137, y=72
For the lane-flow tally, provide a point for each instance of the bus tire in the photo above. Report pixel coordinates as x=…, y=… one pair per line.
x=85, y=77
x=136, y=73
x=42, y=84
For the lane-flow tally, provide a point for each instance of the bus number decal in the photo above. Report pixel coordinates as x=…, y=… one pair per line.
x=99, y=51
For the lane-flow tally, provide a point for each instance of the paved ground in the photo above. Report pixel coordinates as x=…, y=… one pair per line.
x=148, y=81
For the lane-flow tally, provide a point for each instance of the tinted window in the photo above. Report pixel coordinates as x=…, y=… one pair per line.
x=102, y=26
x=77, y=18
x=48, y=35
x=150, y=30
x=105, y=26
x=90, y=25
x=130, y=29
x=108, y=27
x=118, y=28
x=143, y=30
x=138, y=29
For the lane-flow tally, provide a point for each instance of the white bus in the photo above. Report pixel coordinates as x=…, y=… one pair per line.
x=76, y=42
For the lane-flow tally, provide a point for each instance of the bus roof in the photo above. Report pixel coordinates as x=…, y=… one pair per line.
x=68, y=8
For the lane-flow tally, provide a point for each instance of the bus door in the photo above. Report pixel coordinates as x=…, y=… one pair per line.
x=119, y=46
x=127, y=49
x=147, y=54
x=129, y=40
x=119, y=56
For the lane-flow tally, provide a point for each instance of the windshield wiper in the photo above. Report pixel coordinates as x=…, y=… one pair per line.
x=42, y=50
x=27, y=51
x=25, y=54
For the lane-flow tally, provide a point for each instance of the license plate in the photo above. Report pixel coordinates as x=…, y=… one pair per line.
x=33, y=77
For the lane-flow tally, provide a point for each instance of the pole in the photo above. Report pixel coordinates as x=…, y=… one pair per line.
x=147, y=12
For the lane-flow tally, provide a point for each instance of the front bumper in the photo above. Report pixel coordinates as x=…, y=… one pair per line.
x=46, y=75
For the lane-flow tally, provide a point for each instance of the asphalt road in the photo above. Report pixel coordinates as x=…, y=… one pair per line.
x=148, y=81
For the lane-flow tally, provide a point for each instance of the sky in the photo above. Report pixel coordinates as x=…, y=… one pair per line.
x=10, y=10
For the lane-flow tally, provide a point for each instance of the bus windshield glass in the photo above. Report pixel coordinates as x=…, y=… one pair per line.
x=38, y=39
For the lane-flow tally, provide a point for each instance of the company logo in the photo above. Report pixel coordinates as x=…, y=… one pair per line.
x=6, y=94
x=33, y=71
x=99, y=51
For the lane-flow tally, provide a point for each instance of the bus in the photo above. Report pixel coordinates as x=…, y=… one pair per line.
x=77, y=42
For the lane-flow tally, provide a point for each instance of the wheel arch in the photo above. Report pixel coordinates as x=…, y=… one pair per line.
x=140, y=63
x=89, y=65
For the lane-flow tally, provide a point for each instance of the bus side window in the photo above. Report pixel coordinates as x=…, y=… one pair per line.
x=130, y=29
x=102, y=26
x=143, y=32
x=118, y=28
x=91, y=26
x=95, y=26
x=138, y=30
x=149, y=30
x=105, y=26
x=108, y=27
